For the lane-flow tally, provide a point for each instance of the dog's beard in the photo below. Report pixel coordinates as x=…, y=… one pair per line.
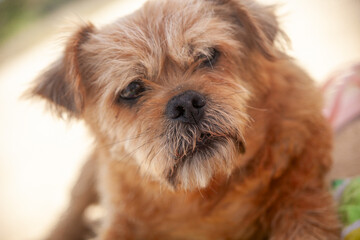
x=195, y=163
x=187, y=156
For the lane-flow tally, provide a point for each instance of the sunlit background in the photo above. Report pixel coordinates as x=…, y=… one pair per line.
x=40, y=155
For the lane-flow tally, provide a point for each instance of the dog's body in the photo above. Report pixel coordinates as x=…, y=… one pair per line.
x=204, y=129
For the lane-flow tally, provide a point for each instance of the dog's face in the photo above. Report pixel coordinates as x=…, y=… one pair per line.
x=168, y=87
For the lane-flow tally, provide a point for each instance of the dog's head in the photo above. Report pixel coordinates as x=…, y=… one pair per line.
x=168, y=88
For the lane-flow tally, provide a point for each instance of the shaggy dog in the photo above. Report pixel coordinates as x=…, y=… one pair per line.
x=204, y=128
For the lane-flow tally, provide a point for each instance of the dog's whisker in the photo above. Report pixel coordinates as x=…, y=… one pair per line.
x=256, y=108
x=126, y=139
x=160, y=151
x=139, y=147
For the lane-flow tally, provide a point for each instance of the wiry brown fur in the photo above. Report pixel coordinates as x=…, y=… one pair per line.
x=263, y=179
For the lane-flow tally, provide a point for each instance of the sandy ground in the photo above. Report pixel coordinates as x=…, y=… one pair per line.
x=40, y=155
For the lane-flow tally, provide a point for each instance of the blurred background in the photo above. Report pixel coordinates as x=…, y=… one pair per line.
x=40, y=156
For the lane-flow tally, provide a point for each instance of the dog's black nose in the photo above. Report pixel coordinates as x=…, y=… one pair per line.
x=187, y=107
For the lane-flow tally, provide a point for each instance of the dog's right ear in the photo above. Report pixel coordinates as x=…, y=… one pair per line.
x=260, y=23
x=62, y=84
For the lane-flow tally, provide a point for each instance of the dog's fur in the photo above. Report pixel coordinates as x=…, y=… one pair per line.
x=261, y=175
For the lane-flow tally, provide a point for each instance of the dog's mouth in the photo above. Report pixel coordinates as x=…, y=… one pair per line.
x=203, y=147
x=204, y=144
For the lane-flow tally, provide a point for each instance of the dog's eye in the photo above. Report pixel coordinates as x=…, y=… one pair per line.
x=209, y=60
x=133, y=91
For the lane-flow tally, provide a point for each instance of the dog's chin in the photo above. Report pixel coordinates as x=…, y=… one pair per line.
x=211, y=155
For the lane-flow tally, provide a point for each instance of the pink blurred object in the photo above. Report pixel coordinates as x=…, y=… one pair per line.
x=342, y=96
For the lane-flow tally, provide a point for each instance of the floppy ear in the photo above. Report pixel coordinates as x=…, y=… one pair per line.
x=260, y=24
x=62, y=84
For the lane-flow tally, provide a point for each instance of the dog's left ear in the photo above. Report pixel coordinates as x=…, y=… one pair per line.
x=63, y=83
x=259, y=22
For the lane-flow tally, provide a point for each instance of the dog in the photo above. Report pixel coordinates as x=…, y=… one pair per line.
x=205, y=128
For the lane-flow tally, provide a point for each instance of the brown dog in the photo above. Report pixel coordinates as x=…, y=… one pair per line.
x=204, y=128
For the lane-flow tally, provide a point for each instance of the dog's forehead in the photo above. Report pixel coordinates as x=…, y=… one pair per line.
x=161, y=32
x=172, y=27
x=178, y=29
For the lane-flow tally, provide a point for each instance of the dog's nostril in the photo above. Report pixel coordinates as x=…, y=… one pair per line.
x=179, y=111
x=198, y=102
